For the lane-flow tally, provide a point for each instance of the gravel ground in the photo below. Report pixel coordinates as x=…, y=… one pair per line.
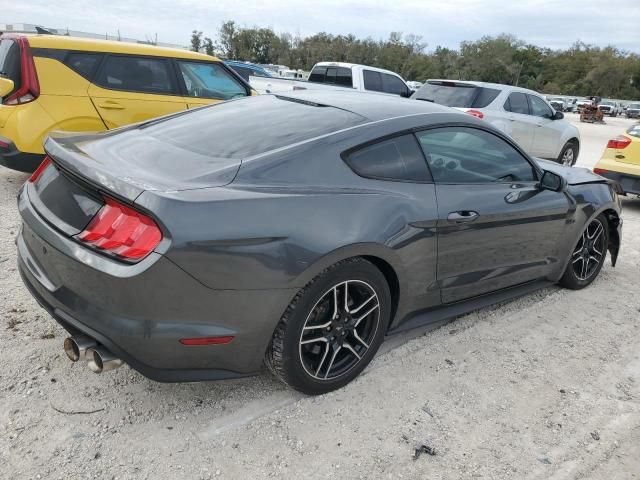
x=547, y=386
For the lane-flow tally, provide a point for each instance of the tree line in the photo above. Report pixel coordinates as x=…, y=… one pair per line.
x=580, y=70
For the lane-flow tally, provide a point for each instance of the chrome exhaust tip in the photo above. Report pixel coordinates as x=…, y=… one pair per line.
x=99, y=360
x=76, y=347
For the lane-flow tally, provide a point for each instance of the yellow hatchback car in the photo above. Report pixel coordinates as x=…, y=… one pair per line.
x=50, y=82
x=621, y=160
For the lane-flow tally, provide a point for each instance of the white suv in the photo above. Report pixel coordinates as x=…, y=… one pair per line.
x=523, y=114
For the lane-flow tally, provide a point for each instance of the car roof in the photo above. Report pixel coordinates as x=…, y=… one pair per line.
x=369, y=105
x=499, y=86
x=65, y=42
x=352, y=65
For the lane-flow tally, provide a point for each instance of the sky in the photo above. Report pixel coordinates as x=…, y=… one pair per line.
x=546, y=23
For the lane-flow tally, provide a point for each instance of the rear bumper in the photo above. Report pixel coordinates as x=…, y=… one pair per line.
x=14, y=159
x=141, y=311
x=629, y=183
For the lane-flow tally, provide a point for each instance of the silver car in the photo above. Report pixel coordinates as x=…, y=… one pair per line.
x=520, y=113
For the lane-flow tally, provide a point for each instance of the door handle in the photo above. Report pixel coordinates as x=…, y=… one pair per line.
x=462, y=216
x=111, y=106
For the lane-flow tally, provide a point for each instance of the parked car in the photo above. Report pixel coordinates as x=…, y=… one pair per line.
x=559, y=104
x=633, y=110
x=55, y=82
x=610, y=107
x=621, y=160
x=583, y=103
x=247, y=70
x=413, y=85
x=199, y=269
x=337, y=75
x=523, y=114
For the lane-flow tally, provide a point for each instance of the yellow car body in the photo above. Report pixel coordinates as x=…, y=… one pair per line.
x=621, y=160
x=52, y=82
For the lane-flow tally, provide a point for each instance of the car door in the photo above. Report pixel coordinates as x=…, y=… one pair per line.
x=208, y=82
x=496, y=227
x=520, y=121
x=546, y=138
x=130, y=88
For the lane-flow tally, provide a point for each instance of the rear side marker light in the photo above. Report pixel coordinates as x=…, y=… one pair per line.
x=619, y=142
x=476, y=113
x=4, y=145
x=201, y=341
x=600, y=171
x=36, y=174
x=121, y=231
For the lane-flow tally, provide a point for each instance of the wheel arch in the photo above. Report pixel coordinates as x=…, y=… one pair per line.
x=382, y=257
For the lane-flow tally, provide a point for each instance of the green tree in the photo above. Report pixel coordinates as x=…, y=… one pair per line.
x=196, y=41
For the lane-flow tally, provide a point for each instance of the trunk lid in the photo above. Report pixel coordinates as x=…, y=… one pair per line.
x=127, y=162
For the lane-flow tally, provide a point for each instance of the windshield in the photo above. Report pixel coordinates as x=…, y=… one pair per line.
x=634, y=106
x=453, y=94
x=606, y=102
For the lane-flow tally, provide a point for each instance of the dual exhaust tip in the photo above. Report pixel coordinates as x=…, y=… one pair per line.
x=98, y=358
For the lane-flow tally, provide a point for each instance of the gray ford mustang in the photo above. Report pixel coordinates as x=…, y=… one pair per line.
x=298, y=230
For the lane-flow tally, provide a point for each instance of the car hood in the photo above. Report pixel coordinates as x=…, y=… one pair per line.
x=573, y=175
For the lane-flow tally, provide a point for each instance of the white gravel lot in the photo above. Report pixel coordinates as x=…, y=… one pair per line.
x=545, y=387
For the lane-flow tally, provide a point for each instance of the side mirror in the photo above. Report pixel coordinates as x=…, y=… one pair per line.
x=6, y=86
x=406, y=94
x=551, y=181
x=558, y=116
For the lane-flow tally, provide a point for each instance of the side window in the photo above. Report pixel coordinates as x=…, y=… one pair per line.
x=392, y=84
x=398, y=158
x=517, y=103
x=539, y=107
x=469, y=155
x=372, y=81
x=338, y=76
x=210, y=80
x=137, y=74
x=83, y=64
x=243, y=72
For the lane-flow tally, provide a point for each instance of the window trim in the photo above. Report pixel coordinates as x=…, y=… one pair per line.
x=182, y=86
x=536, y=168
x=346, y=153
x=167, y=60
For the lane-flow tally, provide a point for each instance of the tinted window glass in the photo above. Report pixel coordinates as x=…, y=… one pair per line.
x=83, y=63
x=539, y=107
x=318, y=74
x=398, y=158
x=10, y=62
x=136, y=74
x=517, y=103
x=372, y=81
x=468, y=155
x=392, y=84
x=456, y=95
x=210, y=80
x=250, y=126
x=243, y=72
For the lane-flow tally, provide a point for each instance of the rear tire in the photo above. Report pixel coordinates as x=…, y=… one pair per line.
x=569, y=154
x=332, y=329
x=588, y=255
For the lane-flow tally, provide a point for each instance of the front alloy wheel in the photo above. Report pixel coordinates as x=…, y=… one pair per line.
x=588, y=255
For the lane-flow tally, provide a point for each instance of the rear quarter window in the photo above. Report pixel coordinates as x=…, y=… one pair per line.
x=82, y=63
x=399, y=158
x=10, y=62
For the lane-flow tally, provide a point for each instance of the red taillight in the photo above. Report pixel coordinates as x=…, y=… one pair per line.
x=475, y=113
x=121, y=231
x=29, y=90
x=38, y=171
x=600, y=171
x=619, y=142
x=200, y=341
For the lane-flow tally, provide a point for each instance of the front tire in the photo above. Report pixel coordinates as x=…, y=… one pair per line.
x=569, y=154
x=332, y=329
x=588, y=255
